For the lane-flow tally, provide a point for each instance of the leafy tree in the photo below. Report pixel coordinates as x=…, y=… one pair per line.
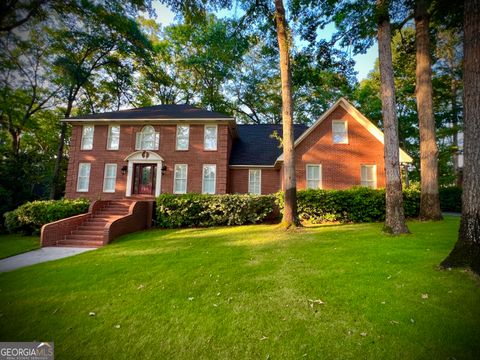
x=467, y=248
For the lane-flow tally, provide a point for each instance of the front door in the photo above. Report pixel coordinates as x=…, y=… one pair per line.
x=144, y=179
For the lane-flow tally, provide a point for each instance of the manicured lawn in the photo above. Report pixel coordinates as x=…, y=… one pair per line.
x=14, y=244
x=244, y=293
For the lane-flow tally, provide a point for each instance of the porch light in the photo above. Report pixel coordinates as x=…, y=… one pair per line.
x=164, y=168
x=124, y=169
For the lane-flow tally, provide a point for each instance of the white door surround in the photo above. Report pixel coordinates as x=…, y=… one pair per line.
x=144, y=157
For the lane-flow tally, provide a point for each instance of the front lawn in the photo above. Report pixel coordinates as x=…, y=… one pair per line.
x=14, y=244
x=252, y=292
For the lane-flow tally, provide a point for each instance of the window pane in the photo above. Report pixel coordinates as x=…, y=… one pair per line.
x=313, y=177
x=180, y=176
x=209, y=172
x=114, y=137
x=110, y=177
x=210, y=139
x=254, y=181
x=183, y=132
x=83, y=177
x=368, y=176
x=339, y=130
x=87, y=137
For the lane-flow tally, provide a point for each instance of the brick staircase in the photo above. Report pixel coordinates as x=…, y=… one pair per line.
x=91, y=232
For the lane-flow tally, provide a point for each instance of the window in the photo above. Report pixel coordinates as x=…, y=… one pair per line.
x=83, y=177
x=369, y=176
x=113, y=142
x=180, y=179
x=209, y=175
x=147, y=139
x=109, y=177
x=210, y=137
x=87, y=137
x=183, y=134
x=255, y=181
x=314, y=176
x=339, y=132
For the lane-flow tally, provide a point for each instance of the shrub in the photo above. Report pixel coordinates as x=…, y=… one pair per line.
x=358, y=204
x=31, y=216
x=212, y=210
x=451, y=199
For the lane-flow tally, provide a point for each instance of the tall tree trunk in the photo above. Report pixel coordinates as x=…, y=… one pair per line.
x=290, y=216
x=456, y=157
x=61, y=144
x=394, y=217
x=467, y=249
x=429, y=198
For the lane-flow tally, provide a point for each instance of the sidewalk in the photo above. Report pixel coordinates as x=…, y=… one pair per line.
x=38, y=256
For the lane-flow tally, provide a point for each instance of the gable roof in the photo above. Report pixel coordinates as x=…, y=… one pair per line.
x=357, y=115
x=157, y=112
x=255, y=145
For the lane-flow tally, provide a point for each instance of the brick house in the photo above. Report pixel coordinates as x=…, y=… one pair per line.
x=141, y=153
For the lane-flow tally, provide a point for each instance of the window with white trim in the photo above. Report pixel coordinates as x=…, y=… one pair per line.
x=183, y=135
x=339, y=132
x=255, y=181
x=83, y=177
x=113, y=141
x=210, y=137
x=314, y=176
x=369, y=176
x=87, y=137
x=109, y=177
x=147, y=139
x=209, y=179
x=180, y=179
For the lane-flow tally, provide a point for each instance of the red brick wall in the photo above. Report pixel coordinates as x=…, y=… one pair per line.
x=195, y=157
x=340, y=162
x=239, y=181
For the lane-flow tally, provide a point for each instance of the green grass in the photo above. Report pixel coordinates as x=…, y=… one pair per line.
x=243, y=293
x=14, y=244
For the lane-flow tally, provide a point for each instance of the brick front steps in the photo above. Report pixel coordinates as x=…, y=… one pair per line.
x=104, y=221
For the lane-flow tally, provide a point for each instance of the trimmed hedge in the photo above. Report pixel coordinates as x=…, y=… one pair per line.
x=358, y=204
x=31, y=216
x=451, y=199
x=189, y=210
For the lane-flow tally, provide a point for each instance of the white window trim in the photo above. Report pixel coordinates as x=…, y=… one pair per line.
x=188, y=139
x=346, y=131
x=175, y=178
x=205, y=136
x=260, y=181
x=109, y=137
x=374, y=166
x=214, y=179
x=320, y=180
x=88, y=177
x=105, y=178
x=83, y=138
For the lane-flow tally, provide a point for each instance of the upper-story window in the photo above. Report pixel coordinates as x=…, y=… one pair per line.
x=210, y=137
x=87, y=137
x=147, y=139
x=183, y=135
x=339, y=132
x=113, y=141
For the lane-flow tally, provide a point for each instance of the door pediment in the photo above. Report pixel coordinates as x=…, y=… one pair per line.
x=144, y=155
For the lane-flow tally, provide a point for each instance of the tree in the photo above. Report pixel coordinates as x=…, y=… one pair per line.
x=290, y=216
x=466, y=252
x=429, y=198
x=394, y=217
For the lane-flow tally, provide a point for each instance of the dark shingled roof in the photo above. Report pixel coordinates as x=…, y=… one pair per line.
x=158, y=112
x=255, y=146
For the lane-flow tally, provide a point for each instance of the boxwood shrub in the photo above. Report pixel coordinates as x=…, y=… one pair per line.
x=358, y=204
x=189, y=210
x=31, y=216
x=451, y=198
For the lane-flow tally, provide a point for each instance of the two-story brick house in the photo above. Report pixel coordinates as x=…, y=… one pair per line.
x=141, y=153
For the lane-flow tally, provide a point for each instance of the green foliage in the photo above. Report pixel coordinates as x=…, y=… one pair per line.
x=188, y=210
x=358, y=204
x=451, y=198
x=31, y=216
